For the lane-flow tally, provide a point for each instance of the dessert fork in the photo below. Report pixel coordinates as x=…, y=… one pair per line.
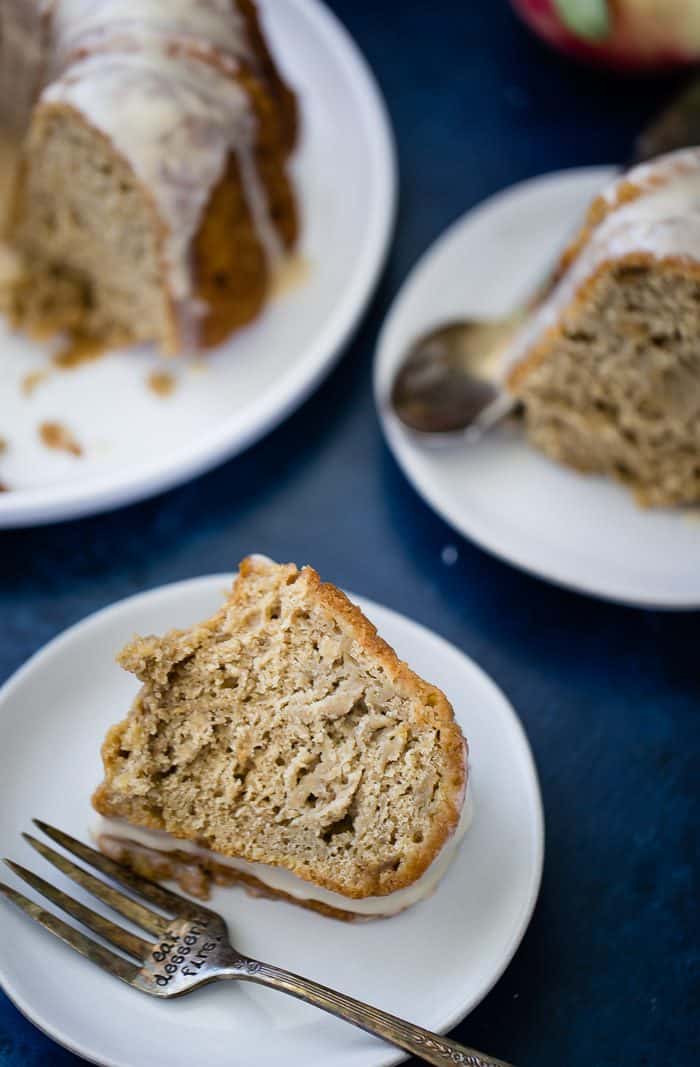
x=188, y=947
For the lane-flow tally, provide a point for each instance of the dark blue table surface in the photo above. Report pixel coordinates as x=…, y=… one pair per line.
x=608, y=972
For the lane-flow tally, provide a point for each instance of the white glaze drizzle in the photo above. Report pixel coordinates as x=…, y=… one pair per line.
x=662, y=222
x=281, y=880
x=648, y=176
x=174, y=121
x=206, y=25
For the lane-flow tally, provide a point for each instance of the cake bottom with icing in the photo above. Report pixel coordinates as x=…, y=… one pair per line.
x=159, y=856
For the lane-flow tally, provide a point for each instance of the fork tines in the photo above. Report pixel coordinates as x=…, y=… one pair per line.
x=153, y=922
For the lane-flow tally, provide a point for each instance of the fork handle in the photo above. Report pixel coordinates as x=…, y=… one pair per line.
x=433, y=1048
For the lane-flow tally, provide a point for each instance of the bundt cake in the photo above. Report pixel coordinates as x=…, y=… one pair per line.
x=608, y=364
x=151, y=201
x=282, y=744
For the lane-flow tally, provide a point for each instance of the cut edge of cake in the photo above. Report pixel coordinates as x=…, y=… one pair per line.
x=431, y=722
x=607, y=365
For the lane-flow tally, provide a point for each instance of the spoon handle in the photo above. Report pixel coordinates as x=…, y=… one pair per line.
x=501, y=407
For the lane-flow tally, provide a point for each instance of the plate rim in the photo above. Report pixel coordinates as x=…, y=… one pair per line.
x=389, y=1056
x=401, y=448
x=99, y=493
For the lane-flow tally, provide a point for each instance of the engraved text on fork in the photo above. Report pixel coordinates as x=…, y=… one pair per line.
x=183, y=954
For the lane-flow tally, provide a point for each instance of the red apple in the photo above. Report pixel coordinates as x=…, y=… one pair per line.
x=624, y=34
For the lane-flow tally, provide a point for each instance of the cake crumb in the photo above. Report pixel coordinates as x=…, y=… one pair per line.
x=57, y=436
x=31, y=380
x=161, y=383
x=4, y=488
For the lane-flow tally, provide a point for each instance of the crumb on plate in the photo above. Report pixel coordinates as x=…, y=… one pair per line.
x=57, y=436
x=31, y=380
x=161, y=383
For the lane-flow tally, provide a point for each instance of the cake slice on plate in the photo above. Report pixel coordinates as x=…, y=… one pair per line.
x=152, y=202
x=282, y=744
x=608, y=365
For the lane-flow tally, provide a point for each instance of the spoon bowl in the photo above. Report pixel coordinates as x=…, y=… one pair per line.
x=447, y=384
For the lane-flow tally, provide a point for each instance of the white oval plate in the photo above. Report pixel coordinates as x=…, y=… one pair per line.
x=136, y=443
x=583, y=532
x=432, y=964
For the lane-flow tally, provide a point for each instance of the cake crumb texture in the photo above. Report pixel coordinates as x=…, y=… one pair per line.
x=615, y=388
x=284, y=731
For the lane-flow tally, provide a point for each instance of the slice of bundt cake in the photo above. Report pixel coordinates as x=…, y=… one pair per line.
x=152, y=201
x=608, y=366
x=283, y=744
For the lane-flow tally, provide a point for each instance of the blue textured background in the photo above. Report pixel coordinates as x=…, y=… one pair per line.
x=608, y=971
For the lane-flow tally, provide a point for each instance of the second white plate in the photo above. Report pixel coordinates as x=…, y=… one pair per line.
x=431, y=964
x=583, y=532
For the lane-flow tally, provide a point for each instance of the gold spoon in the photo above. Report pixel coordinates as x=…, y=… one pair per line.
x=447, y=384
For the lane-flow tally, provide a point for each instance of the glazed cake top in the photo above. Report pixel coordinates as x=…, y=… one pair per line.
x=651, y=211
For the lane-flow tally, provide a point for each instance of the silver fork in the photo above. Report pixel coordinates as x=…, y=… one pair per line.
x=189, y=947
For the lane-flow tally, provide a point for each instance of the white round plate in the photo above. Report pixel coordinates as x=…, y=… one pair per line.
x=137, y=443
x=583, y=532
x=431, y=964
